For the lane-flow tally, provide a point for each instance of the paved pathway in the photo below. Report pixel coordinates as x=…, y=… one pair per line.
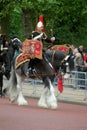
x=31, y=117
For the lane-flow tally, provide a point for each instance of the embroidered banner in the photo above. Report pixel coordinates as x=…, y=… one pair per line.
x=33, y=48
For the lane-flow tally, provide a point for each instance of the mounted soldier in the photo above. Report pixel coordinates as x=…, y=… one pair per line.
x=34, y=44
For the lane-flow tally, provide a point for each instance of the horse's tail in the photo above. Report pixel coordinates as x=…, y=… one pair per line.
x=11, y=88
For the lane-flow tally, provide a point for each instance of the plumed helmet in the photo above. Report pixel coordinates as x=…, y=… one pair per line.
x=40, y=24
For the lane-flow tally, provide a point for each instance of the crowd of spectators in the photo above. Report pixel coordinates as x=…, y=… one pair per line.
x=80, y=57
x=80, y=60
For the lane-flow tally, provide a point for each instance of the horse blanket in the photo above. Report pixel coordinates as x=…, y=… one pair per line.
x=64, y=48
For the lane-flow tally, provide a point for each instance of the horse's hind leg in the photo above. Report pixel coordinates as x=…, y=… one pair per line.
x=20, y=100
x=42, y=101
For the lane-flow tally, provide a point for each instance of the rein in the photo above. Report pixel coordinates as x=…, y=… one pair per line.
x=51, y=65
x=53, y=57
x=59, y=73
x=56, y=72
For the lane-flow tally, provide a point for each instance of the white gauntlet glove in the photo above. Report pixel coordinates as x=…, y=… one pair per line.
x=52, y=39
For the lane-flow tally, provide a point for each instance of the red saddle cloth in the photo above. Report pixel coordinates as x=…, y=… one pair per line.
x=21, y=58
x=33, y=48
x=61, y=48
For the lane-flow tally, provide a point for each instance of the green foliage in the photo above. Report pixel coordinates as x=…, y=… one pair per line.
x=15, y=20
x=13, y=12
x=66, y=19
x=71, y=22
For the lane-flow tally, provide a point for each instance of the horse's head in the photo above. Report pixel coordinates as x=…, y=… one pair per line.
x=68, y=65
x=60, y=61
x=16, y=43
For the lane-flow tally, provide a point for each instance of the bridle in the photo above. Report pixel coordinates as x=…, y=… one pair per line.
x=64, y=61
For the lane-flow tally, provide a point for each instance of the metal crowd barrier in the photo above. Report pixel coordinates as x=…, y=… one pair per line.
x=75, y=88
x=77, y=81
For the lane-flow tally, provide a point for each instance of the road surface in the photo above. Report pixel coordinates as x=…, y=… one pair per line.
x=66, y=117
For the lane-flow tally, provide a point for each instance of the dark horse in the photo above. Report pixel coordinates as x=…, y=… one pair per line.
x=45, y=70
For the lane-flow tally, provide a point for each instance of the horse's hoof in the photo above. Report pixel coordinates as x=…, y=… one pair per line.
x=52, y=103
x=42, y=105
x=55, y=106
x=23, y=103
x=11, y=100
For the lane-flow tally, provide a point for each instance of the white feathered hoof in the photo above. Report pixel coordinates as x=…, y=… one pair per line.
x=52, y=102
x=42, y=104
x=53, y=106
x=22, y=102
x=12, y=99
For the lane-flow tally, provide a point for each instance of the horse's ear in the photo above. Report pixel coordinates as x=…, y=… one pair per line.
x=67, y=57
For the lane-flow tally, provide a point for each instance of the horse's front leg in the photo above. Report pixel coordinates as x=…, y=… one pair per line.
x=51, y=99
x=20, y=100
x=48, y=101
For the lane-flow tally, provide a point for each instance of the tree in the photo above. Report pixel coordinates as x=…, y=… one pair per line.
x=11, y=18
x=65, y=19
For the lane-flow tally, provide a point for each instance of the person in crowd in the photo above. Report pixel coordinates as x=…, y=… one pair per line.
x=83, y=53
x=71, y=50
x=81, y=48
x=79, y=66
x=79, y=61
x=14, y=48
x=3, y=51
x=1, y=64
x=72, y=47
x=85, y=60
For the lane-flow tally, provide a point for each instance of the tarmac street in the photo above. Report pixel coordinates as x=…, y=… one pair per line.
x=68, y=116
